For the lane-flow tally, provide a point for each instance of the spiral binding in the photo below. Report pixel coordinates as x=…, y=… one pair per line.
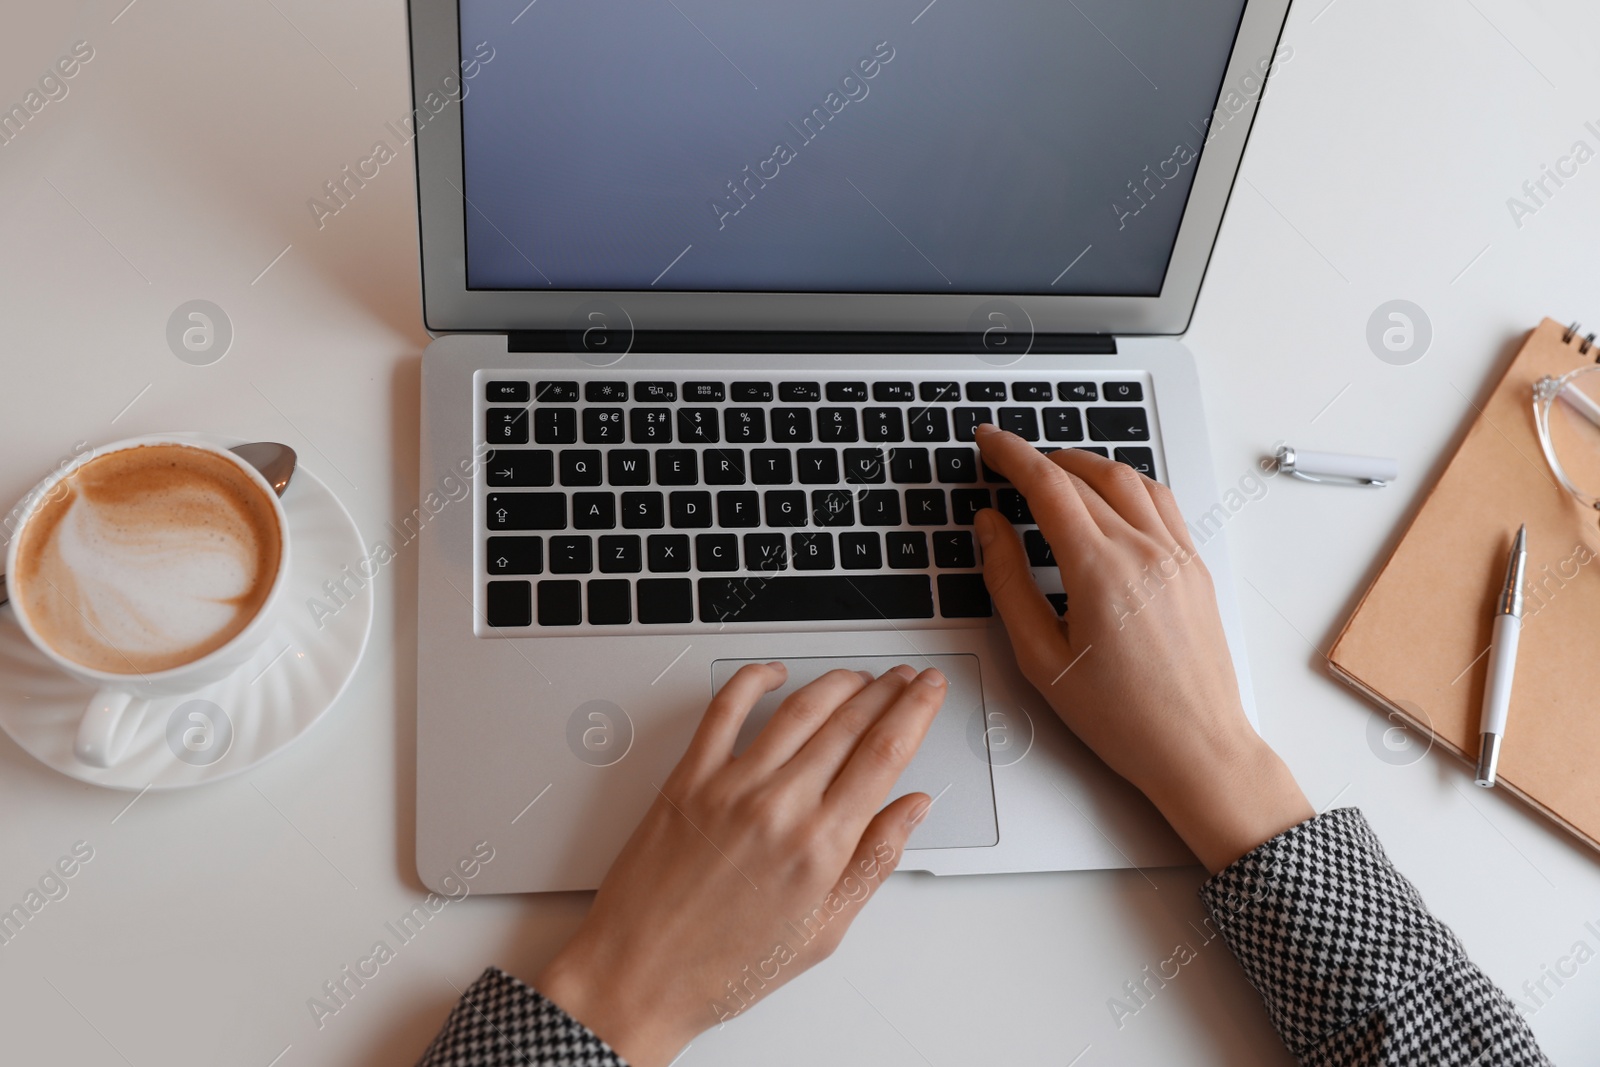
x=1583, y=345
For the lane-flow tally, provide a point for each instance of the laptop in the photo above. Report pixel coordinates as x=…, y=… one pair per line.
x=719, y=293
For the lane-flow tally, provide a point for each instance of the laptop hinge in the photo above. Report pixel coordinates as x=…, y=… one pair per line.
x=802, y=342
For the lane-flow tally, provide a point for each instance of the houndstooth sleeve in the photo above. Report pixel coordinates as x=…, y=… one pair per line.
x=1352, y=967
x=501, y=1022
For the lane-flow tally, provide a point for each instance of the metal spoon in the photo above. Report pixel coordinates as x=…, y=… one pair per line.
x=274, y=461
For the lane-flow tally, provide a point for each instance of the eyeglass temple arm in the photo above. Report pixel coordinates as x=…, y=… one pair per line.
x=1581, y=403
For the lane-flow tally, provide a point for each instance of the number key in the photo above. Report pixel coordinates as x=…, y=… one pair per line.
x=883, y=424
x=650, y=425
x=929, y=424
x=968, y=420
x=698, y=426
x=837, y=425
x=602, y=426
x=791, y=424
x=745, y=425
x=555, y=426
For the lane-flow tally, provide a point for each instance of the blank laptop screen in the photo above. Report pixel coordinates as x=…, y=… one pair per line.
x=868, y=146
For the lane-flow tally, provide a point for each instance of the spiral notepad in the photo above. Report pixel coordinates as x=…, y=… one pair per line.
x=1416, y=642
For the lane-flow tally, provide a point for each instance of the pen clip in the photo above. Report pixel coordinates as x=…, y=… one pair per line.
x=1286, y=464
x=1329, y=479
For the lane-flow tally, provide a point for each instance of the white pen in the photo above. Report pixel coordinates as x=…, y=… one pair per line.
x=1502, y=661
x=1337, y=469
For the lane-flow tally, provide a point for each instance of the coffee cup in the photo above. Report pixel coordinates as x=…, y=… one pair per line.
x=148, y=568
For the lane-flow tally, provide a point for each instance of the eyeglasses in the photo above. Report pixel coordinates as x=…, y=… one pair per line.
x=1567, y=413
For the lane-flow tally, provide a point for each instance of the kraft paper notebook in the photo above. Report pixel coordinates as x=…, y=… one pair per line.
x=1416, y=642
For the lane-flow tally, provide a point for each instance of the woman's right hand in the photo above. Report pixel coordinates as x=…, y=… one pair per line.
x=1138, y=668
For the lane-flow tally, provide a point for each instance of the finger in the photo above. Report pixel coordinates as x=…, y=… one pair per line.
x=876, y=855
x=1030, y=621
x=886, y=748
x=1105, y=517
x=713, y=741
x=799, y=717
x=1058, y=508
x=883, y=842
x=1167, y=507
x=819, y=761
x=1119, y=485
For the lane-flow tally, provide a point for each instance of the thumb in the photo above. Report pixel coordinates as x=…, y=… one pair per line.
x=876, y=856
x=883, y=842
x=1030, y=620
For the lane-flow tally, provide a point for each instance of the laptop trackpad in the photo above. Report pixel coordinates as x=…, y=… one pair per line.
x=952, y=765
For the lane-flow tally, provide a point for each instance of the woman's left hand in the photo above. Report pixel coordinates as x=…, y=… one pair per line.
x=746, y=871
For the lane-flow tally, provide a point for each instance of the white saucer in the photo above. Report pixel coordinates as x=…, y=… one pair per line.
x=274, y=698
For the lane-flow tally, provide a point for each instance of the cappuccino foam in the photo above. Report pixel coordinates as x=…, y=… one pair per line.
x=147, y=558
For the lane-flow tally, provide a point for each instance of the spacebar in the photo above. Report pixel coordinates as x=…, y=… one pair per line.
x=815, y=598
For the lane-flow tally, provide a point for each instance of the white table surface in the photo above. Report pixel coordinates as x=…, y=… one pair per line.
x=179, y=167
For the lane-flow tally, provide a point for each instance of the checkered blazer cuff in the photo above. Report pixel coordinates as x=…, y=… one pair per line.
x=501, y=1022
x=1352, y=967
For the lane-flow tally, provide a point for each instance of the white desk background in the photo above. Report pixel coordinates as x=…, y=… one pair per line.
x=179, y=167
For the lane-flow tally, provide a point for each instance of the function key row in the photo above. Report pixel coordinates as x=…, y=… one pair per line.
x=601, y=392
x=795, y=425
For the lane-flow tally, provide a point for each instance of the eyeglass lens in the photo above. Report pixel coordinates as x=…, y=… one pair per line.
x=1575, y=431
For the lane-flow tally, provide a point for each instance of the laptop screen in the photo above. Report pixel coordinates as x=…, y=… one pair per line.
x=838, y=146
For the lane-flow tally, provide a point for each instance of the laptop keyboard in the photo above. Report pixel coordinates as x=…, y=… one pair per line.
x=628, y=504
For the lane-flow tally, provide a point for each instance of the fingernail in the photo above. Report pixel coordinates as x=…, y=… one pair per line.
x=932, y=677
x=777, y=665
x=986, y=428
x=905, y=672
x=985, y=524
x=866, y=676
x=918, y=813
